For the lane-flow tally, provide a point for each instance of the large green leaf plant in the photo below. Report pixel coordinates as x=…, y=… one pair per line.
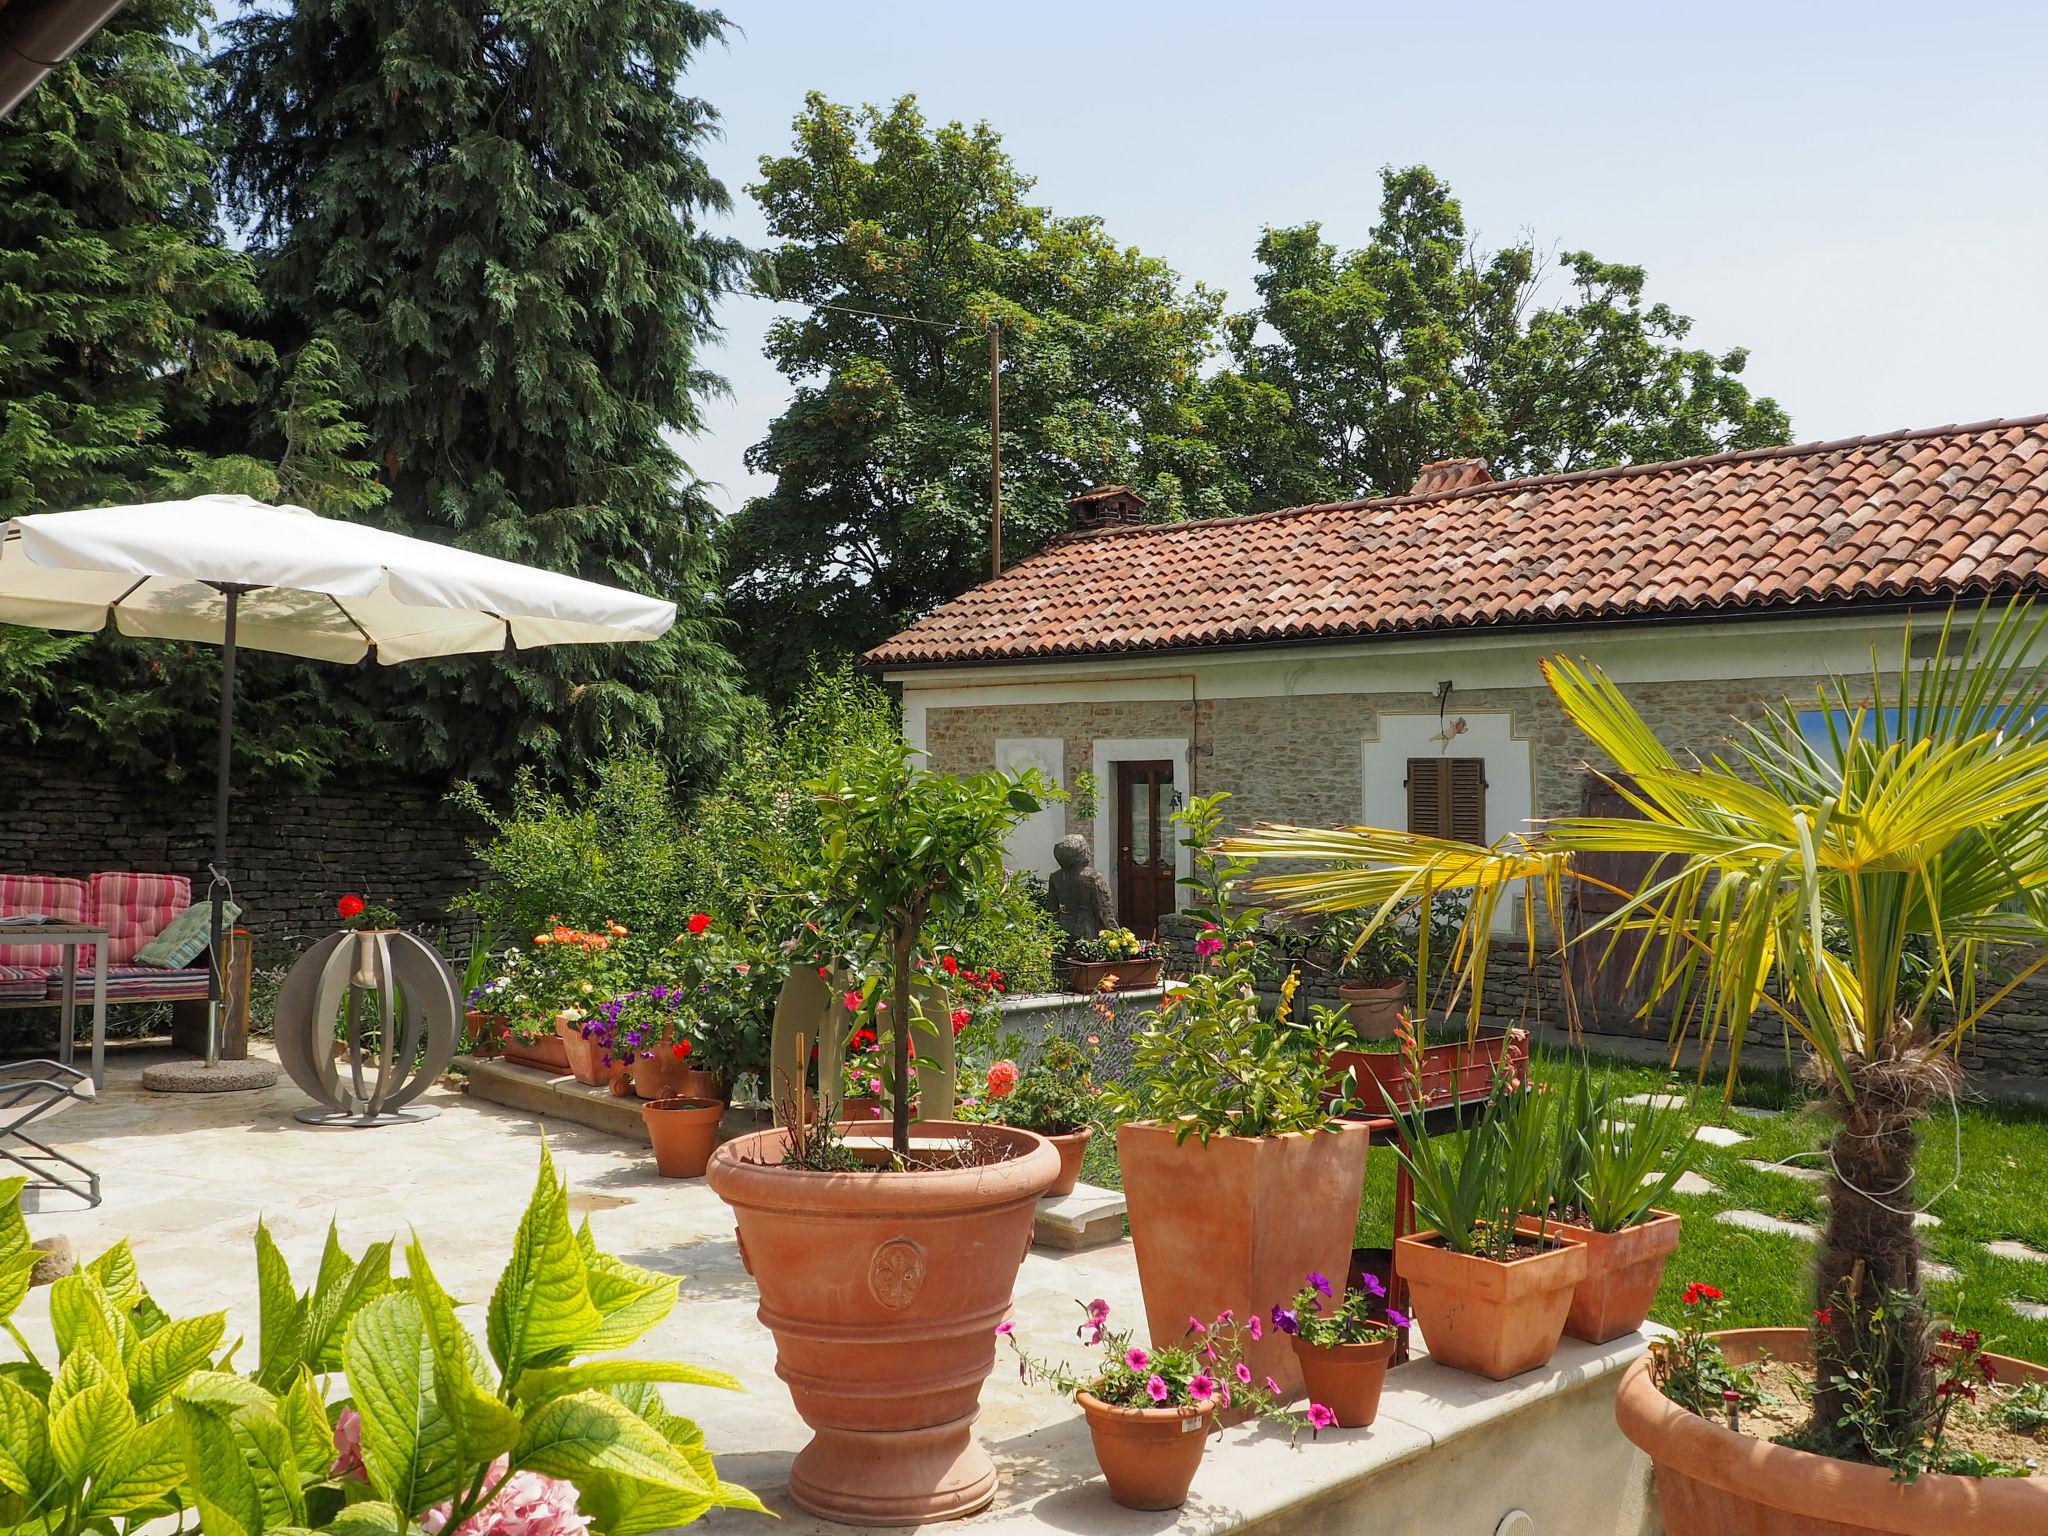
x=143, y=1417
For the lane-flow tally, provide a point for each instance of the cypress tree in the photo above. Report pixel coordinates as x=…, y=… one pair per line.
x=494, y=214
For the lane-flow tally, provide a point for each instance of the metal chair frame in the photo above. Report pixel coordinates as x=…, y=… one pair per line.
x=25, y=1099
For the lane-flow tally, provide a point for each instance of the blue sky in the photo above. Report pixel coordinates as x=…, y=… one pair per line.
x=1855, y=193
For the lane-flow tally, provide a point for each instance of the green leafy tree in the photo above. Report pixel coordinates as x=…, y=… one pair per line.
x=881, y=503
x=495, y=216
x=1356, y=368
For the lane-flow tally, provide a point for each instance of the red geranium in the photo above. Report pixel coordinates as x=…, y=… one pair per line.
x=350, y=905
x=1698, y=1292
x=681, y=1048
x=699, y=921
x=961, y=1018
x=949, y=965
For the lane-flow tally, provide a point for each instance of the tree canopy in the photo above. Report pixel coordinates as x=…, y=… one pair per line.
x=1355, y=368
x=495, y=217
x=908, y=241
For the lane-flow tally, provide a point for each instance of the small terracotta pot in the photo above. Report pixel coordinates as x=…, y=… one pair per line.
x=1623, y=1271
x=883, y=1291
x=1237, y=1223
x=1494, y=1320
x=548, y=1053
x=861, y=1107
x=684, y=1132
x=1375, y=1011
x=1346, y=1378
x=1148, y=1456
x=660, y=1075
x=1131, y=975
x=485, y=1031
x=586, y=1057
x=1713, y=1481
x=1072, y=1147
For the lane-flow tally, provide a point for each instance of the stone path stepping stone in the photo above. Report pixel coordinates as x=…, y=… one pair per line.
x=1757, y=1221
x=1749, y=1113
x=2033, y=1311
x=1720, y=1136
x=1088, y=1218
x=1932, y=1270
x=1790, y=1170
x=2006, y=1248
x=1690, y=1183
x=1656, y=1100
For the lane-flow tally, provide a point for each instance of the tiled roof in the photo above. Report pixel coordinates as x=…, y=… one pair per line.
x=1946, y=512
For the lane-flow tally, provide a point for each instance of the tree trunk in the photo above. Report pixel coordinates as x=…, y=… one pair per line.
x=899, y=1040
x=1870, y=1251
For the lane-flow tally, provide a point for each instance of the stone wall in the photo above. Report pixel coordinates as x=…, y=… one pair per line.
x=393, y=840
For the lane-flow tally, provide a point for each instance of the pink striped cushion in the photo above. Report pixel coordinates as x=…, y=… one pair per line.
x=134, y=908
x=53, y=896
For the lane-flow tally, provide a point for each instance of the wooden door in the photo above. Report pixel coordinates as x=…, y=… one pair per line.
x=1144, y=845
x=1602, y=963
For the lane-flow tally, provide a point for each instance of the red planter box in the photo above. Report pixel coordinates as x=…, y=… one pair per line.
x=1456, y=1072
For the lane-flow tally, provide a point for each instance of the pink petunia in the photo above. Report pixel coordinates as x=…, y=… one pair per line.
x=1254, y=1327
x=1202, y=1388
x=1320, y=1417
x=1195, y=1325
x=1136, y=1358
x=1272, y=1387
x=1157, y=1388
x=1005, y=1328
x=1244, y=1374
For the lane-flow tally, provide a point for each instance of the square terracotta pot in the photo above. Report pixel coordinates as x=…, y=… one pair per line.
x=1623, y=1271
x=1494, y=1320
x=1238, y=1224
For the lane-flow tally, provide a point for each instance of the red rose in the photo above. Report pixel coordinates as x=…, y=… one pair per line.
x=699, y=921
x=949, y=965
x=682, y=1049
x=961, y=1018
x=350, y=905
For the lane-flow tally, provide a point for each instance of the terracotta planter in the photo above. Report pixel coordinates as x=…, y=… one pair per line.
x=1715, y=1482
x=1453, y=1072
x=1072, y=1147
x=659, y=1075
x=1374, y=1010
x=586, y=1057
x=861, y=1107
x=1494, y=1320
x=683, y=1132
x=1623, y=1271
x=1346, y=1378
x=486, y=1032
x=1237, y=1224
x=1131, y=975
x=883, y=1291
x=548, y=1053
x=1148, y=1456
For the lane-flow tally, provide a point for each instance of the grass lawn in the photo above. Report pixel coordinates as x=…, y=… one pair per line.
x=1999, y=1194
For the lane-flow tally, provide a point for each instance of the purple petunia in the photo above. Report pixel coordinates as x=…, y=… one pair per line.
x=1397, y=1318
x=1320, y=1281
x=1286, y=1319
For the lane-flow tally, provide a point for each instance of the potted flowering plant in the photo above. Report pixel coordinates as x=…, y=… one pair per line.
x=1240, y=1175
x=1344, y=1348
x=485, y=1022
x=1150, y=1411
x=1055, y=1095
x=1491, y=1294
x=1609, y=1173
x=880, y=1258
x=1116, y=958
x=575, y=970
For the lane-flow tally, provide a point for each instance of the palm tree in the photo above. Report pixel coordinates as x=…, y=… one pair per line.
x=1859, y=888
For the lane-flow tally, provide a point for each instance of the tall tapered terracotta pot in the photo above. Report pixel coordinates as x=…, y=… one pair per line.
x=1237, y=1224
x=1623, y=1271
x=1712, y=1481
x=1495, y=1320
x=883, y=1291
x=586, y=1057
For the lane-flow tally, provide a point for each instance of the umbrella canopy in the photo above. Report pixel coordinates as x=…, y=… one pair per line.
x=231, y=571
x=311, y=586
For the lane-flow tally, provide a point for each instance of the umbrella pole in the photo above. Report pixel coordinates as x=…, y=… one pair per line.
x=216, y=976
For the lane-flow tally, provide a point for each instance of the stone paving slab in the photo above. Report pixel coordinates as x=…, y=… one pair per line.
x=2033, y=1311
x=1749, y=1112
x=1655, y=1100
x=1800, y=1171
x=1757, y=1221
x=1691, y=1183
x=1720, y=1136
x=2006, y=1248
x=1088, y=1218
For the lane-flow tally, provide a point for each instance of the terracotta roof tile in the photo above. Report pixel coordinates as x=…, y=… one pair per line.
x=1947, y=512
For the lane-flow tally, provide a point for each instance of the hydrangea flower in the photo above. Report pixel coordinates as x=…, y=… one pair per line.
x=529, y=1504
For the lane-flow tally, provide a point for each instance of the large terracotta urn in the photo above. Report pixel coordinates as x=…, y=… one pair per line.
x=883, y=1291
x=1713, y=1481
x=1237, y=1224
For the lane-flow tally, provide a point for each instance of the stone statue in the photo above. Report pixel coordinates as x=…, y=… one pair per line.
x=1077, y=893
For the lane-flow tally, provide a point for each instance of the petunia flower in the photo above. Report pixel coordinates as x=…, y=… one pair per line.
x=1398, y=1318
x=1320, y=1281
x=1254, y=1327
x=1272, y=1387
x=1320, y=1417
x=1244, y=1374
x=1196, y=1325
x=1202, y=1387
x=1157, y=1388
x=1286, y=1319
x=1136, y=1358
x=1005, y=1328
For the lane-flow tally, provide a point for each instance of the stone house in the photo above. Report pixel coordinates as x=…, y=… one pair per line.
x=1378, y=661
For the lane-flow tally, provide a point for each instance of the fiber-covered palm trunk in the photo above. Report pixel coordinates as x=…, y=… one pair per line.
x=1870, y=1251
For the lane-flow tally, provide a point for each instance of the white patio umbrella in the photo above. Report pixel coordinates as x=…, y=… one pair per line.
x=232, y=571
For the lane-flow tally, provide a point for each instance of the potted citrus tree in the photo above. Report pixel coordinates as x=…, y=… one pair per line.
x=1850, y=882
x=1239, y=1174
x=883, y=1260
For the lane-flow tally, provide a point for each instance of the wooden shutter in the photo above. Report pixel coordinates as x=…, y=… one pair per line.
x=1447, y=797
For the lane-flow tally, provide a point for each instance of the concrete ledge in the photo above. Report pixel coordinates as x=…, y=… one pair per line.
x=543, y=1093
x=1090, y=1217
x=1450, y=1455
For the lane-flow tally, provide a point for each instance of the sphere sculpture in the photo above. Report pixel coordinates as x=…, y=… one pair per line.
x=408, y=994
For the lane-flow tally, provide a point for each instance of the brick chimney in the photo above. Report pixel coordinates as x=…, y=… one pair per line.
x=1107, y=506
x=1450, y=475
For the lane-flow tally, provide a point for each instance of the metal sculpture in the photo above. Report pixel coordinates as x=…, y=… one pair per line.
x=813, y=1007
x=407, y=988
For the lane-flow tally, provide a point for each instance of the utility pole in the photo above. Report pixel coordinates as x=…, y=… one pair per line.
x=995, y=450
